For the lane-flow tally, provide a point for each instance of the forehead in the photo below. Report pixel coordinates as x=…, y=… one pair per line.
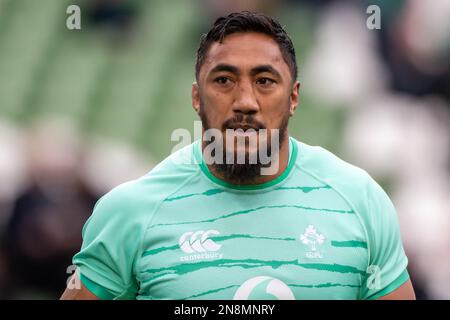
x=245, y=50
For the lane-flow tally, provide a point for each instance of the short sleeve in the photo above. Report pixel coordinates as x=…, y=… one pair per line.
x=387, y=259
x=111, y=241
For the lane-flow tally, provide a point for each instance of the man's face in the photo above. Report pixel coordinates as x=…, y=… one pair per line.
x=245, y=83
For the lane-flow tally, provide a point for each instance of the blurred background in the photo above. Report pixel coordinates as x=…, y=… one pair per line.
x=84, y=110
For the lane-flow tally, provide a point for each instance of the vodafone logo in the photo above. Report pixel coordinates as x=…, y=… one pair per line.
x=198, y=245
x=263, y=288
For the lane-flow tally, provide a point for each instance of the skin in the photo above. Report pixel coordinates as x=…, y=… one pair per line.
x=404, y=292
x=78, y=294
x=247, y=75
x=230, y=82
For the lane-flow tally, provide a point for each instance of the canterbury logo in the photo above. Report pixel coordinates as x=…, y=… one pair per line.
x=191, y=242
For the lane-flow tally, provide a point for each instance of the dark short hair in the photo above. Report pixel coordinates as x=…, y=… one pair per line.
x=246, y=21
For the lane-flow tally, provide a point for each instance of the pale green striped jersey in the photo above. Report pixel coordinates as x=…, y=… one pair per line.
x=323, y=229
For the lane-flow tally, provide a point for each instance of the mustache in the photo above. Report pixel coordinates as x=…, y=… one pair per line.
x=238, y=121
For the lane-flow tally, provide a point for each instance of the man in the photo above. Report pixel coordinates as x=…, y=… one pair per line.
x=310, y=226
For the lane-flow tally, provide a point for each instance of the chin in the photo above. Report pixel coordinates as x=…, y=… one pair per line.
x=249, y=153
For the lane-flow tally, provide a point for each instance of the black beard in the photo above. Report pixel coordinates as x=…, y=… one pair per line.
x=246, y=173
x=239, y=173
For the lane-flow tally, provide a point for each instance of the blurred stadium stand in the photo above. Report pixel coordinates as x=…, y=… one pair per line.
x=122, y=84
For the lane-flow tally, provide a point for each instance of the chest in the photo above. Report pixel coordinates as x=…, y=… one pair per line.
x=254, y=248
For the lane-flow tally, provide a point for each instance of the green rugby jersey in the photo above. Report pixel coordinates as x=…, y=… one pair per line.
x=323, y=229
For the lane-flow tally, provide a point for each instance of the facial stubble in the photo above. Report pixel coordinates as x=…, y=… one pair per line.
x=246, y=173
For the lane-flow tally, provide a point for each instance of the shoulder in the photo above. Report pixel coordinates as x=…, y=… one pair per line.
x=354, y=184
x=329, y=167
x=135, y=200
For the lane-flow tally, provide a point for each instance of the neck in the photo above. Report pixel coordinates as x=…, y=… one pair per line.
x=280, y=164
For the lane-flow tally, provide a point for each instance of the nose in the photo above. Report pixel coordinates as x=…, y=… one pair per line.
x=245, y=100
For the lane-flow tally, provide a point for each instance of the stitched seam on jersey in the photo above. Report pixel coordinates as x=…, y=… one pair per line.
x=127, y=285
x=153, y=215
x=123, y=293
x=358, y=215
x=130, y=284
x=195, y=174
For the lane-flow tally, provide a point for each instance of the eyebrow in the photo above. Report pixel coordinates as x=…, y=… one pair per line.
x=258, y=69
x=265, y=68
x=225, y=67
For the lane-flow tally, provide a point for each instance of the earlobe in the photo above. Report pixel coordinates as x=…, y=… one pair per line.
x=195, y=97
x=292, y=110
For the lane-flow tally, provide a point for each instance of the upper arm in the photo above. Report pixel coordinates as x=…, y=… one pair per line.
x=77, y=291
x=111, y=241
x=404, y=292
x=386, y=272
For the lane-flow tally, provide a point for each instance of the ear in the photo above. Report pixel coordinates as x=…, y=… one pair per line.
x=195, y=97
x=294, y=97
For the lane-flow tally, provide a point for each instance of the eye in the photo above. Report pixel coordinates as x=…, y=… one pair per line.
x=222, y=80
x=265, y=81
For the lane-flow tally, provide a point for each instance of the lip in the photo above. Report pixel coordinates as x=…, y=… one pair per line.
x=243, y=127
